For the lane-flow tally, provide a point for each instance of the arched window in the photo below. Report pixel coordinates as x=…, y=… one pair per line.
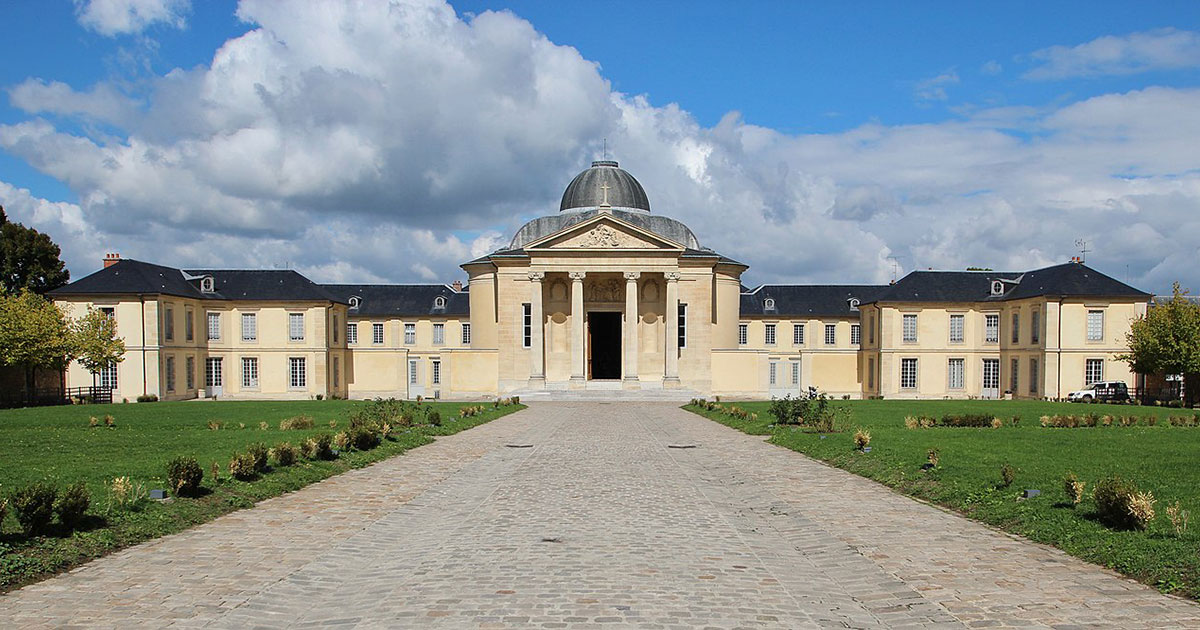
x=769, y=304
x=439, y=302
x=355, y=301
x=206, y=284
x=853, y=304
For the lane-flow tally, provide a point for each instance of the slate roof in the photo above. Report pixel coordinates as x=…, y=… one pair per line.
x=812, y=300
x=130, y=276
x=1065, y=280
x=402, y=300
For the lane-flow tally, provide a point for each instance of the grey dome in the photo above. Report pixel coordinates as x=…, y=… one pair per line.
x=605, y=182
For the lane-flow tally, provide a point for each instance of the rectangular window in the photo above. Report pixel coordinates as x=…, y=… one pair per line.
x=190, y=364
x=795, y=372
x=1095, y=326
x=1093, y=371
x=830, y=334
x=526, y=325
x=743, y=334
x=1015, y=376
x=991, y=327
x=773, y=367
x=436, y=372
x=336, y=372
x=1035, y=326
x=871, y=328
x=108, y=376
x=189, y=325
x=797, y=334
x=170, y=374
x=908, y=373
x=957, y=324
x=683, y=325
x=769, y=334
x=299, y=373
x=108, y=311
x=249, y=326
x=335, y=329
x=439, y=334
x=855, y=334
x=212, y=372
x=214, y=326
x=249, y=372
x=296, y=326
x=871, y=373
x=169, y=324
x=410, y=334
x=377, y=333
x=466, y=334
x=910, y=328
x=955, y=376
x=352, y=333
x=412, y=372
x=1016, y=328
x=1033, y=376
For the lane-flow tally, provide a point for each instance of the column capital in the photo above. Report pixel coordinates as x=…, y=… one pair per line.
x=632, y=275
x=537, y=276
x=577, y=276
x=671, y=276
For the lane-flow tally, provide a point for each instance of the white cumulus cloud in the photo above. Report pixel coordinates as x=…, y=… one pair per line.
x=1159, y=49
x=130, y=17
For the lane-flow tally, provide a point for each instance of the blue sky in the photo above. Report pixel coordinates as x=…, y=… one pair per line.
x=391, y=142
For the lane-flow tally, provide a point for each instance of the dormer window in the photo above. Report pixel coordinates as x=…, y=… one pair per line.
x=439, y=302
x=207, y=284
x=997, y=287
x=853, y=304
x=769, y=304
x=355, y=301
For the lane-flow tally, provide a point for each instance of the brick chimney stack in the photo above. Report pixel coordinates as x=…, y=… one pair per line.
x=457, y=286
x=111, y=259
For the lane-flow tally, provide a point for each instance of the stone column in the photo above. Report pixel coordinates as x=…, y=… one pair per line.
x=671, y=373
x=578, y=362
x=537, y=348
x=631, y=326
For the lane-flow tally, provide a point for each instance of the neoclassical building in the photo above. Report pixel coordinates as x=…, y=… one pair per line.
x=605, y=295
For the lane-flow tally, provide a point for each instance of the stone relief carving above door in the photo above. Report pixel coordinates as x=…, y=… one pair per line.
x=611, y=290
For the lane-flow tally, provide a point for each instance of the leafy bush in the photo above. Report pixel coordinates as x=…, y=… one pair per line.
x=263, y=426
x=997, y=423
x=241, y=466
x=215, y=425
x=1007, y=475
x=147, y=398
x=811, y=410
x=934, y=456
x=215, y=472
x=307, y=448
x=71, y=504
x=862, y=438
x=1178, y=516
x=321, y=446
x=33, y=506
x=296, y=423
x=341, y=440
x=434, y=418
x=978, y=420
x=363, y=438
x=259, y=456
x=1120, y=504
x=1073, y=488
x=184, y=475
x=94, y=422
x=284, y=454
x=109, y=421
x=125, y=493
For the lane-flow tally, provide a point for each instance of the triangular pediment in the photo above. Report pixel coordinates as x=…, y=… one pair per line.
x=604, y=232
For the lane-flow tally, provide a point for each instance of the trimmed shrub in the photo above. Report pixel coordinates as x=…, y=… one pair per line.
x=71, y=504
x=997, y=423
x=94, y=422
x=259, y=456
x=33, y=506
x=978, y=420
x=263, y=426
x=341, y=440
x=284, y=454
x=215, y=425
x=363, y=438
x=862, y=438
x=1007, y=475
x=184, y=475
x=322, y=446
x=306, y=448
x=434, y=418
x=296, y=423
x=147, y=398
x=110, y=422
x=241, y=466
x=934, y=456
x=1073, y=488
x=1120, y=504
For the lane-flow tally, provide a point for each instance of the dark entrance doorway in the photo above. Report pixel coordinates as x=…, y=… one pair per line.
x=604, y=345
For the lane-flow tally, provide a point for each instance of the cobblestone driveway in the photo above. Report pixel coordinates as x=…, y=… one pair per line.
x=598, y=523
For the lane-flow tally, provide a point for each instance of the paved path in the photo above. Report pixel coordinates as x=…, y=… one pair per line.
x=597, y=524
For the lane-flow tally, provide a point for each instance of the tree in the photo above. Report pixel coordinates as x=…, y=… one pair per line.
x=95, y=340
x=34, y=333
x=1167, y=340
x=28, y=259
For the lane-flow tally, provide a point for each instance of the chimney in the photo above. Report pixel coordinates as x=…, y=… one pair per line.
x=111, y=259
x=457, y=286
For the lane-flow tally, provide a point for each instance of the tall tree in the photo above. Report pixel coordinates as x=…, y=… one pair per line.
x=34, y=333
x=96, y=344
x=28, y=259
x=1166, y=340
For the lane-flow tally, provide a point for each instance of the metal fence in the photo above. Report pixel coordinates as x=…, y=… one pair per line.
x=44, y=397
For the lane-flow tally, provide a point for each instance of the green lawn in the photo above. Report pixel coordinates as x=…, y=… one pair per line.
x=56, y=443
x=1162, y=459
